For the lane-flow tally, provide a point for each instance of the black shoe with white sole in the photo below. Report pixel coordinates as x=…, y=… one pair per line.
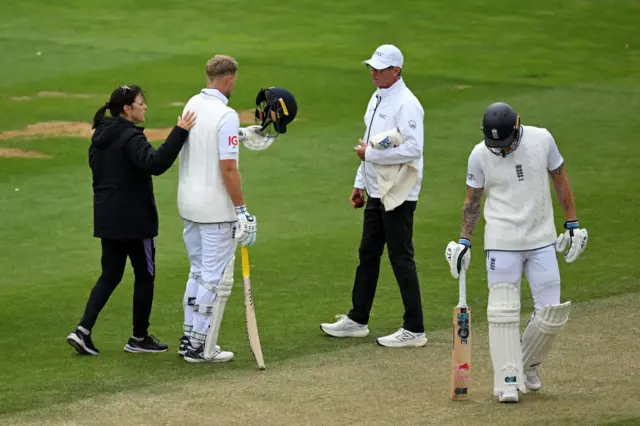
x=82, y=343
x=197, y=355
x=145, y=344
x=184, y=345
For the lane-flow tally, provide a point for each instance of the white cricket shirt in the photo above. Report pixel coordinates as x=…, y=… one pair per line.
x=518, y=209
x=202, y=195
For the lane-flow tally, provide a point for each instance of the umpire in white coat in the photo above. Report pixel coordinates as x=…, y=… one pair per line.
x=392, y=108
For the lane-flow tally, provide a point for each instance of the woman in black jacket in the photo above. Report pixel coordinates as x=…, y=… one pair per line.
x=124, y=210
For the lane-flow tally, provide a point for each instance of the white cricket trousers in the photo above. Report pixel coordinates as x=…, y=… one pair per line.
x=540, y=267
x=210, y=248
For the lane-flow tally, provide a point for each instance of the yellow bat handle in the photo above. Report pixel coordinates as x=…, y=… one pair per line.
x=245, y=262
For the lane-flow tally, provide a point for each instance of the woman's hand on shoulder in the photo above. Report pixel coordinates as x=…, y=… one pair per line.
x=188, y=121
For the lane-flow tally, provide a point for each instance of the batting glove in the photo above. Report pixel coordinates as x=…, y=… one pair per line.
x=246, y=229
x=574, y=238
x=242, y=135
x=254, y=139
x=459, y=256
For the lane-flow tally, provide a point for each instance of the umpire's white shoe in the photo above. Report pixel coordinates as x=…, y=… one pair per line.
x=509, y=394
x=403, y=339
x=345, y=327
x=532, y=380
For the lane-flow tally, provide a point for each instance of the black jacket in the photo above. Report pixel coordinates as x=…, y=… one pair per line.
x=122, y=162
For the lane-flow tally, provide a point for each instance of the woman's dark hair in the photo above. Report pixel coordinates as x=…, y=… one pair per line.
x=123, y=95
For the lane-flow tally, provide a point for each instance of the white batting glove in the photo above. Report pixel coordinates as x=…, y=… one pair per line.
x=459, y=256
x=254, y=139
x=575, y=238
x=246, y=229
x=241, y=135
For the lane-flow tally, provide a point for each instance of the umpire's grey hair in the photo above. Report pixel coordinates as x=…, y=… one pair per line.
x=221, y=65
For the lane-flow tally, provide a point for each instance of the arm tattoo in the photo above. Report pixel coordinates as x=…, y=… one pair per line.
x=563, y=191
x=471, y=213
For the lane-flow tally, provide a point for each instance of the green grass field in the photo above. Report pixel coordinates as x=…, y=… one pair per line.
x=572, y=67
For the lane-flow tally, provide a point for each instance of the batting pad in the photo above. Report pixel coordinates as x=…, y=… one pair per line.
x=223, y=291
x=545, y=324
x=503, y=315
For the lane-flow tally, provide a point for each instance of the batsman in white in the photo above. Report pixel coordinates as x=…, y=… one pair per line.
x=212, y=205
x=512, y=167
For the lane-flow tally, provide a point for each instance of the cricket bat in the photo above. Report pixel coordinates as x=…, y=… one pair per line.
x=461, y=355
x=252, y=324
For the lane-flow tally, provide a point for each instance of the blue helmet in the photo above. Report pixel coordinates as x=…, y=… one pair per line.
x=278, y=101
x=500, y=125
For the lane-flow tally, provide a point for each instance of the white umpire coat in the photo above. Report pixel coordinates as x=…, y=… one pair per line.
x=393, y=108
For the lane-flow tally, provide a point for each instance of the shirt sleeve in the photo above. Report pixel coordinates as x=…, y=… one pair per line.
x=475, y=175
x=554, y=158
x=410, y=124
x=359, y=183
x=228, y=145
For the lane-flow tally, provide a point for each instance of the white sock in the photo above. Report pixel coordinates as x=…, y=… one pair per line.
x=186, y=328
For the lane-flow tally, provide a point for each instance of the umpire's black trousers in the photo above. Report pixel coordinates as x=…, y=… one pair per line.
x=395, y=228
x=114, y=259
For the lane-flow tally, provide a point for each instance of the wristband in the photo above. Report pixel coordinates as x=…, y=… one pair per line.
x=241, y=209
x=464, y=242
x=571, y=224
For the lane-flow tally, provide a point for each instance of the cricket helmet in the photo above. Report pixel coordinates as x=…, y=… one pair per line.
x=500, y=125
x=275, y=107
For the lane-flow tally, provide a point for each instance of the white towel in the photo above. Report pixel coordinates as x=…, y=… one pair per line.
x=394, y=180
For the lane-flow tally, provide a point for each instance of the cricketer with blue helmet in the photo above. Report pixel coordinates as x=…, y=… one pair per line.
x=513, y=166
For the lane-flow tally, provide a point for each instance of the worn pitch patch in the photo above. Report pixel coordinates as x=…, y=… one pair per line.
x=70, y=129
x=83, y=130
x=55, y=94
x=19, y=153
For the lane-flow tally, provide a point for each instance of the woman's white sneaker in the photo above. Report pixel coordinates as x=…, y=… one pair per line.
x=345, y=327
x=403, y=339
